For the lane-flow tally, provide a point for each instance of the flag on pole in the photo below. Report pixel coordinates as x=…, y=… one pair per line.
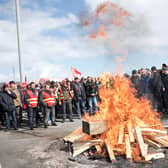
x=75, y=72
x=25, y=78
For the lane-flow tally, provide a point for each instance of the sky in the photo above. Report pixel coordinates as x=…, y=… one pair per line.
x=52, y=39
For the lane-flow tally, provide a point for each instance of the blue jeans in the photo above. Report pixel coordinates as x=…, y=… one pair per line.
x=92, y=102
x=80, y=106
x=14, y=121
x=32, y=113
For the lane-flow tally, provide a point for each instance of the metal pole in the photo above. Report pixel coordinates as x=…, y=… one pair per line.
x=18, y=37
x=13, y=70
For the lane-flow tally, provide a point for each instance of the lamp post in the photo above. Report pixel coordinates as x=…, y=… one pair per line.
x=18, y=37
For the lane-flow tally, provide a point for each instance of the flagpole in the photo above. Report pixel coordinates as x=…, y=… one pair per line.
x=18, y=37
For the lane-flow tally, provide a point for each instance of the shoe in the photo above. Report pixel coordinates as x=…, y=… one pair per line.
x=31, y=128
x=54, y=124
x=63, y=120
x=71, y=120
x=15, y=128
x=45, y=126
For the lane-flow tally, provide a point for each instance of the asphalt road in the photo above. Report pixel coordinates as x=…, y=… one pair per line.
x=24, y=148
x=44, y=148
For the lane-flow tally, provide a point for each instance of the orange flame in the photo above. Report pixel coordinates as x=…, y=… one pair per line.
x=120, y=107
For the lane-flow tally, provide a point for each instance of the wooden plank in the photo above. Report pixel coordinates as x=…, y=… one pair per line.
x=110, y=151
x=130, y=132
x=140, y=140
x=152, y=143
x=98, y=148
x=159, y=140
x=128, y=147
x=154, y=156
x=121, y=135
x=94, y=127
x=80, y=149
x=92, y=141
x=146, y=149
x=74, y=136
x=162, y=132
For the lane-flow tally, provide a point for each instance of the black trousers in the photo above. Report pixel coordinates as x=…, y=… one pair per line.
x=67, y=109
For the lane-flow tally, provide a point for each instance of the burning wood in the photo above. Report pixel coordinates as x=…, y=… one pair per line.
x=94, y=128
x=124, y=125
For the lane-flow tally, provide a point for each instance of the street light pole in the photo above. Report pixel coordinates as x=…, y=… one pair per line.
x=18, y=37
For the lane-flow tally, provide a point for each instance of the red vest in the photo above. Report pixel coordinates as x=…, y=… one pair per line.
x=61, y=93
x=33, y=99
x=50, y=100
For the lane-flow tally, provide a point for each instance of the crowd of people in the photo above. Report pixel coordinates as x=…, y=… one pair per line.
x=153, y=84
x=43, y=102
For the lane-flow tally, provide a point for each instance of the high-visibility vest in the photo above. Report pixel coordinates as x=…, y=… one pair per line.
x=25, y=104
x=55, y=95
x=70, y=92
x=49, y=100
x=61, y=93
x=33, y=99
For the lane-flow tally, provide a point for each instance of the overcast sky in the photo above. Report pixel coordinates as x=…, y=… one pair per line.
x=52, y=40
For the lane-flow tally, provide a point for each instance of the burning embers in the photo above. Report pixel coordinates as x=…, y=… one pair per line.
x=124, y=125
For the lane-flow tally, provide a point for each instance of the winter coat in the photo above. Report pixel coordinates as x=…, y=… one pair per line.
x=156, y=84
x=79, y=91
x=91, y=88
x=6, y=101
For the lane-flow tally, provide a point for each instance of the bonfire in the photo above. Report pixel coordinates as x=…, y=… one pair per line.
x=124, y=124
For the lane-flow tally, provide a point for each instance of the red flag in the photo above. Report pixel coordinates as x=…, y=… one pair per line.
x=75, y=72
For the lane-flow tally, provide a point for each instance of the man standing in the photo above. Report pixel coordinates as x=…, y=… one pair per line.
x=156, y=85
x=31, y=99
x=17, y=102
x=165, y=88
x=91, y=92
x=8, y=106
x=66, y=100
x=48, y=101
x=79, y=97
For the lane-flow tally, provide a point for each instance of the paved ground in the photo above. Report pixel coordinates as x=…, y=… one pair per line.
x=44, y=148
x=26, y=149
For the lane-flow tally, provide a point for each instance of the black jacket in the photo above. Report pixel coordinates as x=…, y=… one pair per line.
x=156, y=83
x=6, y=101
x=91, y=88
x=79, y=91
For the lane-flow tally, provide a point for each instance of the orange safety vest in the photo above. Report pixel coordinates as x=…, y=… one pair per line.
x=50, y=100
x=33, y=99
x=61, y=93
